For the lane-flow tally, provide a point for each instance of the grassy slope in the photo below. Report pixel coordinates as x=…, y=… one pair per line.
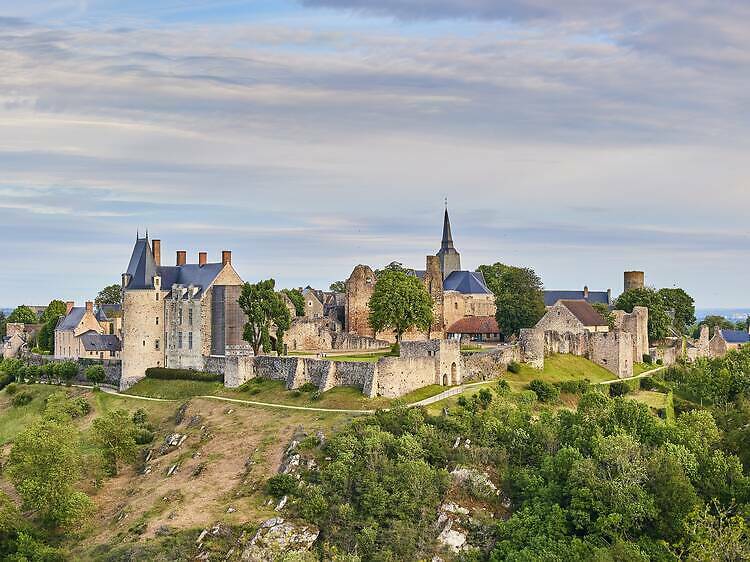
x=562, y=367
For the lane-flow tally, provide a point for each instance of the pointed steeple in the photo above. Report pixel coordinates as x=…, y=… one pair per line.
x=450, y=259
x=447, y=236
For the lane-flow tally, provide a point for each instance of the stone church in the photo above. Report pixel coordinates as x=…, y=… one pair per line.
x=457, y=294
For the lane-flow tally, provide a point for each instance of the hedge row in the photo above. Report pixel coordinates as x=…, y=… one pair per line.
x=163, y=373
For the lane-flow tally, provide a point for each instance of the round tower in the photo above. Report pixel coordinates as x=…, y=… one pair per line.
x=635, y=280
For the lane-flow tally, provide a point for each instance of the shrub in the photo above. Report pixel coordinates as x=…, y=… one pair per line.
x=281, y=485
x=253, y=390
x=659, y=362
x=66, y=371
x=485, y=397
x=308, y=387
x=11, y=389
x=22, y=398
x=526, y=397
x=163, y=373
x=395, y=350
x=514, y=367
x=5, y=380
x=143, y=436
x=579, y=387
x=140, y=417
x=316, y=395
x=647, y=359
x=503, y=387
x=95, y=374
x=295, y=393
x=544, y=391
x=619, y=389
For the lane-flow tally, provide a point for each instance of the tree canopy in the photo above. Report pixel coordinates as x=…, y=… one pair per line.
x=682, y=307
x=265, y=310
x=298, y=300
x=3, y=324
x=518, y=296
x=400, y=302
x=111, y=294
x=50, y=317
x=659, y=320
x=338, y=287
x=23, y=315
x=115, y=433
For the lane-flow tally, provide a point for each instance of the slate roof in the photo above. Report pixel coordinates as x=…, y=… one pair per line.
x=735, y=336
x=142, y=269
x=100, y=342
x=71, y=321
x=551, y=297
x=466, y=282
x=110, y=310
x=585, y=313
x=474, y=325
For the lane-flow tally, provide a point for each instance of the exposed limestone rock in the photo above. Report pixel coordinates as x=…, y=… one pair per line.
x=276, y=537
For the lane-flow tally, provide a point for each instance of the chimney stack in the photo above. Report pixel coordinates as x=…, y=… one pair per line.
x=156, y=250
x=585, y=292
x=181, y=257
x=226, y=257
x=90, y=307
x=201, y=258
x=68, y=307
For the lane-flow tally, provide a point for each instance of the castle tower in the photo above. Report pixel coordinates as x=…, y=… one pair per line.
x=433, y=280
x=635, y=280
x=450, y=259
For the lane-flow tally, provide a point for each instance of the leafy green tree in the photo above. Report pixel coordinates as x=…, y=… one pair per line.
x=66, y=371
x=682, y=306
x=54, y=310
x=23, y=315
x=715, y=533
x=264, y=309
x=3, y=324
x=393, y=266
x=95, y=374
x=399, y=302
x=111, y=294
x=298, y=300
x=338, y=287
x=44, y=465
x=116, y=434
x=659, y=320
x=713, y=321
x=518, y=297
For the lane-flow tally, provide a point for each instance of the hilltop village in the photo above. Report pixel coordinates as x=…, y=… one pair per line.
x=187, y=316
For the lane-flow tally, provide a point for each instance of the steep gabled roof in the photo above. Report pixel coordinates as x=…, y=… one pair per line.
x=551, y=297
x=466, y=282
x=70, y=322
x=584, y=312
x=735, y=336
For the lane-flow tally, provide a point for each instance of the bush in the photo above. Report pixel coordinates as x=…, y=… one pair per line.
x=281, y=485
x=395, y=350
x=316, y=395
x=514, y=367
x=11, y=389
x=619, y=389
x=485, y=398
x=308, y=387
x=143, y=436
x=544, y=391
x=22, y=398
x=95, y=374
x=140, y=417
x=163, y=373
x=578, y=387
x=659, y=362
x=59, y=403
x=295, y=393
x=503, y=387
x=5, y=380
x=66, y=371
x=526, y=397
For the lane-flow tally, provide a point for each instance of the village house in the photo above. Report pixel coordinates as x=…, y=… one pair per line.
x=83, y=332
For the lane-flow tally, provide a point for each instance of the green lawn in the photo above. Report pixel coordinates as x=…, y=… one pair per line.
x=13, y=419
x=640, y=368
x=173, y=390
x=656, y=400
x=562, y=367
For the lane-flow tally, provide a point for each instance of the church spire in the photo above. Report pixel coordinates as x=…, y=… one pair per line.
x=447, y=236
x=450, y=259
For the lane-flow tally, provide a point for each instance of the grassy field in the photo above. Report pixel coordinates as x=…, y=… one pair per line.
x=174, y=390
x=640, y=368
x=558, y=368
x=656, y=400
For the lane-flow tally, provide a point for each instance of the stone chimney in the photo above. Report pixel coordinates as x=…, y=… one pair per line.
x=156, y=250
x=202, y=258
x=181, y=257
x=585, y=292
x=226, y=257
x=68, y=307
x=90, y=307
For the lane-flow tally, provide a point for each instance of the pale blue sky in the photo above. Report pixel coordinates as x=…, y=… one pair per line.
x=311, y=136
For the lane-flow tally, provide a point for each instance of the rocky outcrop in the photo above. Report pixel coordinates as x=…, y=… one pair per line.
x=277, y=537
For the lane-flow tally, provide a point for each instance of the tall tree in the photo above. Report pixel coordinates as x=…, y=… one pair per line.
x=111, y=294
x=682, y=307
x=659, y=320
x=44, y=465
x=265, y=310
x=115, y=433
x=50, y=317
x=295, y=295
x=518, y=296
x=23, y=315
x=399, y=302
x=338, y=287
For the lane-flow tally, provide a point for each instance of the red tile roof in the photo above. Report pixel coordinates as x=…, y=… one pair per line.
x=474, y=325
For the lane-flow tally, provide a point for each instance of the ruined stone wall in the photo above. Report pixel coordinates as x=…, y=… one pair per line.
x=112, y=367
x=359, y=289
x=718, y=347
x=531, y=342
x=567, y=342
x=703, y=343
x=353, y=342
x=312, y=334
x=490, y=364
x=399, y=375
x=668, y=355
x=433, y=282
x=613, y=351
x=636, y=324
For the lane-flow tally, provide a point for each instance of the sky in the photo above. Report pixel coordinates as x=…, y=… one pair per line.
x=579, y=138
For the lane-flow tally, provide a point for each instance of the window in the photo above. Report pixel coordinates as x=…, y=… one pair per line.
x=190, y=340
x=156, y=345
x=144, y=343
x=157, y=320
x=157, y=296
x=179, y=340
x=179, y=314
x=190, y=316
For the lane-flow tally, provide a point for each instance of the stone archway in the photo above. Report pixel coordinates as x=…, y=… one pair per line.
x=445, y=379
x=454, y=374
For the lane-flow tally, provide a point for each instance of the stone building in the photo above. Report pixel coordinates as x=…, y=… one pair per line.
x=475, y=329
x=15, y=341
x=177, y=316
x=313, y=303
x=573, y=316
x=727, y=340
x=84, y=332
